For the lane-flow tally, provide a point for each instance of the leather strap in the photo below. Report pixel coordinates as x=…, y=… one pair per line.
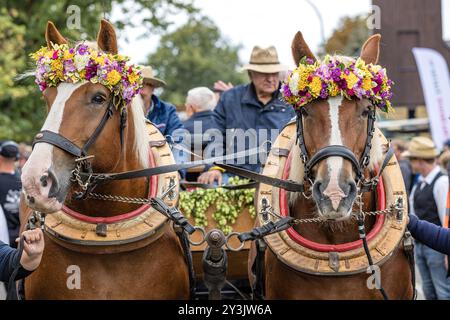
x=68, y=146
x=190, y=184
x=288, y=185
x=280, y=152
x=334, y=151
x=59, y=141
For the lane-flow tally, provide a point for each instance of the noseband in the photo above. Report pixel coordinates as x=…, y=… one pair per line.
x=335, y=150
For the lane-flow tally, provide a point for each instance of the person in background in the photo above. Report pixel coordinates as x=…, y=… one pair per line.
x=220, y=87
x=254, y=108
x=162, y=114
x=444, y=161
x=10, y=187
x=446, y=145
x=25, y=152
x=401, y=146
x=428, y=203
x=199, y=105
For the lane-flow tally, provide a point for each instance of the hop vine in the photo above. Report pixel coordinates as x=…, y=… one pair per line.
x=228, y=203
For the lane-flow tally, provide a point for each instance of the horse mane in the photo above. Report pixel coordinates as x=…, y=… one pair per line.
x=142, y=139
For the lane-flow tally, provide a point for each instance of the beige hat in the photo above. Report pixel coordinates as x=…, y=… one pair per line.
x=422, y=148
x=264, y=61
x=148, y=75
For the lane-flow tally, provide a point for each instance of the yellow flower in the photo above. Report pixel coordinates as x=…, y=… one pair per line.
x=315, y=86
x=367, y=83
x=351, y=78
x=113, y=77
x=100, y=60
x=333, y=89
x=133, y=77
x=56, y=65
x=67, y=55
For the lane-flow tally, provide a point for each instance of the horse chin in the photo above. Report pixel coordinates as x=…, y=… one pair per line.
x=43, y=204
x=330, y=215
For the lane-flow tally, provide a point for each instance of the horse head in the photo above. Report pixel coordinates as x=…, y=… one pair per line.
x=75, y=110
x=335, y=133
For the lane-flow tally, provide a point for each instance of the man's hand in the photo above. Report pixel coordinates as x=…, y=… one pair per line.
x=222, y=86
x=210, y=176
x=33, y=247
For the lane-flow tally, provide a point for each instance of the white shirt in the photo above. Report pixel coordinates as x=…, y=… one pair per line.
x=440, y=190
x=4, y=234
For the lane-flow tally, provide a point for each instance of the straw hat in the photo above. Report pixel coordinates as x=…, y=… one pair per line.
x=264, y=60
x=422, y=148
x=149, y=77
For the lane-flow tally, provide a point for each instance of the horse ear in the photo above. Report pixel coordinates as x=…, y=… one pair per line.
x=106, y=38
x=371, y=49
x=300, y=49
x=52, y=35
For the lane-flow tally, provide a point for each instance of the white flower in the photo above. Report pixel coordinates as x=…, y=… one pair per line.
x=293, y=83
x=80, y=62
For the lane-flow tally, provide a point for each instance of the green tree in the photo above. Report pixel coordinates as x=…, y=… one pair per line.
x=348, y=37
x=22, y=26
x=196, y=54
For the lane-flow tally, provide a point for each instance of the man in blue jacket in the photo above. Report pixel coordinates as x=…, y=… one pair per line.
x=250, y=116
x=161, y=113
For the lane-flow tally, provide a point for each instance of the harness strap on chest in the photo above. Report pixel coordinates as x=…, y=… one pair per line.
x=258, y=288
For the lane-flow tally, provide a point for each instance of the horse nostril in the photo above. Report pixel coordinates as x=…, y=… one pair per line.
x=54, y=188
x=30, y=199
x=44, y=180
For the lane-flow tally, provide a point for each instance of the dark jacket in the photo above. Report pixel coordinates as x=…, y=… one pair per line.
x=8, y=260
x=206, y=118
x=431, y=235
x=164, y=116
x=240, y=110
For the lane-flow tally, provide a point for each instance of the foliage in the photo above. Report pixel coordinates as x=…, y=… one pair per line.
x=196, y=54
x=348, y=38
x=228, y=204
x=22, y=26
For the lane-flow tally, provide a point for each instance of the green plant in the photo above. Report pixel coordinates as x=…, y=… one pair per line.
x=228, y=203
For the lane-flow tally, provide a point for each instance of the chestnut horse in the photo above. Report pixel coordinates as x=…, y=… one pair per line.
x=326, y=122
x=154, y=271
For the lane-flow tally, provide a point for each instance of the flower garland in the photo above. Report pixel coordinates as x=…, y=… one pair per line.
x=335, y=76
x=62, y=63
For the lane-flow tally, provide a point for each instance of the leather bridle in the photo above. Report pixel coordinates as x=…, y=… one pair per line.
x=61, y=142
x=336, y=150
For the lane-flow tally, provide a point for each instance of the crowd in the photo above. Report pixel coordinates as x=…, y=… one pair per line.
x=256, y=109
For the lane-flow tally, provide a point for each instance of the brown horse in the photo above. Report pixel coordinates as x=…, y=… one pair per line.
x=333, y=121
x=142, y=270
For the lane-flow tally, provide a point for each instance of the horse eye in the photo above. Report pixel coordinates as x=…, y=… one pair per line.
x=98, y=99
x=365, y=113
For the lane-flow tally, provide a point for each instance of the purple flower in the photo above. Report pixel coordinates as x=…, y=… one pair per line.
x=82, y=49
x=55, y=55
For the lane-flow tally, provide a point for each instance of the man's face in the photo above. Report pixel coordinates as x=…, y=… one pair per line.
x=146, y=93
x=265, y=83
x=415, y=164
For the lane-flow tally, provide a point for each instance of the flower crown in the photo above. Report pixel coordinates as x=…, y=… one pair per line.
x=62, y=63
x=335, y=76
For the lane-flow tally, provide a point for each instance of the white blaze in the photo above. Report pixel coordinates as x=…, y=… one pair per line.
x=333, y=190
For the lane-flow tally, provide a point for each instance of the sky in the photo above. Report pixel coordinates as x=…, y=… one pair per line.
x=265, y=23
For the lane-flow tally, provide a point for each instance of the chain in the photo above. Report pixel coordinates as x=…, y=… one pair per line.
x=353, y=216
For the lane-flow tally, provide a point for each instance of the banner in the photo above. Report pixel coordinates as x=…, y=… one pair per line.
x=435, y=80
